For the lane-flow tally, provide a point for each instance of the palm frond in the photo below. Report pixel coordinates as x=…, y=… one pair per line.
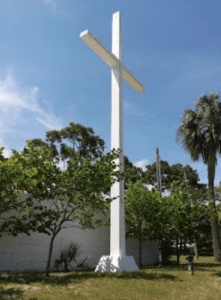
x=199, y=132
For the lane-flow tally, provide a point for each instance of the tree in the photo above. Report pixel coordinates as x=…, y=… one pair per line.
x=200, y=135
x=75, y=193
x=160, y=218
x=37, y=175
x=190, y=219
x=85, y=143
x=18, y=174
x=80, y=197
x=172, y=173
x=181, y=174
x=142, y=213
x=189, y=182
x=6, y=195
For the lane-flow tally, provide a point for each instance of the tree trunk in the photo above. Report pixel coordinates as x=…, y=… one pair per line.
x=195, y=246
x=213, y=212
x=50, y=255
x=181, y=244
x=140, y=254
x=177, y=253
x=185, y=245
x=216, y=240
x=160, y=252
x=196, y=250
x=163, y=252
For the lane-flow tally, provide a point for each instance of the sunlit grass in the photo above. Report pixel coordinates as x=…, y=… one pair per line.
x=170, y=282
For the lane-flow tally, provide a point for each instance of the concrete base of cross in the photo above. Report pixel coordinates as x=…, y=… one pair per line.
x=116, y=263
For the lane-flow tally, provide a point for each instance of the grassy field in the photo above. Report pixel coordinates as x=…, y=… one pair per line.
x=166, y=283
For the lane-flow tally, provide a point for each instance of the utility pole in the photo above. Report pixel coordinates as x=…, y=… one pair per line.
x=158, y=172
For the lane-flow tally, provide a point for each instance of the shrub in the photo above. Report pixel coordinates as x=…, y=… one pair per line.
x=69, y=255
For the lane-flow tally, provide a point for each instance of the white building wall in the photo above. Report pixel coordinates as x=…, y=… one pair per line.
x=29, y=253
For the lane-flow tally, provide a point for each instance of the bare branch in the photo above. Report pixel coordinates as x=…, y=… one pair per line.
x=66, y=207
x=59, y=200
x=55, y=205
x=70, y=213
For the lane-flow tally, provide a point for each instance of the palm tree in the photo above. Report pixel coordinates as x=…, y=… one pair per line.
x=200, y=135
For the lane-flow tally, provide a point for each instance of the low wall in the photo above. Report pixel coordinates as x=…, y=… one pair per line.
x=30, y=253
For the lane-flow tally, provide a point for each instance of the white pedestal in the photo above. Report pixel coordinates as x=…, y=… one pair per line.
x=116, y=263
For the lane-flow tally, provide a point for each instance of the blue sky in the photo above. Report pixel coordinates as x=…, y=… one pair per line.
x=49, y=77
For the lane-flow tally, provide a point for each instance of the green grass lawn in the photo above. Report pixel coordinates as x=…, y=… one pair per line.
x=166, y=283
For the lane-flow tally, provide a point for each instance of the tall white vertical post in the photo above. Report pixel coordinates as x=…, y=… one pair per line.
x=117, y=261
x=117, y=234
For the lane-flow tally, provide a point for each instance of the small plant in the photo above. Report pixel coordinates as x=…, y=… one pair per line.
x=69, y=255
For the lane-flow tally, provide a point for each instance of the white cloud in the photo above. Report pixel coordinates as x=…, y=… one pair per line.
x=50, y=3
x=62, y=8
x=148, y=186
x=6, y=152
x=141, y=164
x=15, y=102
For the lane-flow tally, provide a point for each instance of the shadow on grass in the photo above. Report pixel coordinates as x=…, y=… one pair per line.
x=79, y=276
x=150, y=273
x=11, y=293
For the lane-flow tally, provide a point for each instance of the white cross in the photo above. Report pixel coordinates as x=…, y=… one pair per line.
x=117, y=261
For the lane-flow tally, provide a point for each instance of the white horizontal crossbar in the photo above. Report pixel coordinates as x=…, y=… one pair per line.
x=110, y=59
